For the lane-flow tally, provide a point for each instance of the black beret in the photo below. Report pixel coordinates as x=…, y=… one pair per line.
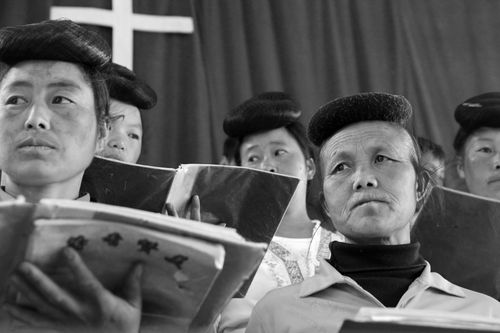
x=125, y=87
x=60, y=40
x=344, y=111
x=478, y=111
x=262, y=112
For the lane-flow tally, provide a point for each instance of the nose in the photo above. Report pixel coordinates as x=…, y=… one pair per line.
x=496, y=161
x=38, y=118
x=268, y=165
x=363, y=179
x=116, y=143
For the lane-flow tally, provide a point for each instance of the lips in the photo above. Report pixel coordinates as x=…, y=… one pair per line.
x=37, y=142
x=115, y=155
x=494, y=179
x=360, y=200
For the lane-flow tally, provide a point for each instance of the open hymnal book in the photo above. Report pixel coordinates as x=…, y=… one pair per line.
x=189, y=266
x=412, y=320
x=249, y=200
x=459, y=235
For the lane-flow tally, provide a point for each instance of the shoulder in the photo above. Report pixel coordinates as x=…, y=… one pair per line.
x=466, y=300
x=279, y=295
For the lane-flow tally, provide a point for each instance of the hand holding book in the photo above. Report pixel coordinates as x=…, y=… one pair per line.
x=92, y=308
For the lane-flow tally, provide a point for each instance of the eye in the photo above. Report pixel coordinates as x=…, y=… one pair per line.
x=486, y=150
x=134, y=136
x=16, y=100
x=252, y=159
x=339, y=168
x=381, y=158
x=280, y=152
x=61, y=100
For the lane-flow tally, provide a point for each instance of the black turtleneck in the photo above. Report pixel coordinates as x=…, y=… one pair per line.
x=385, y=271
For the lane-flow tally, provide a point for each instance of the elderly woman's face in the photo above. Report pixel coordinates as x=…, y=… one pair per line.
x=480, y=165
x=369, y=182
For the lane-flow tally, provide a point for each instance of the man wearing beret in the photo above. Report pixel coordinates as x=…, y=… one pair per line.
x=374, y=187
x=128, y=95
x=477, y=144
x=53, y=106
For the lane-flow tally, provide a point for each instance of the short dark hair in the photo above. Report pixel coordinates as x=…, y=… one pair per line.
x=427, y=145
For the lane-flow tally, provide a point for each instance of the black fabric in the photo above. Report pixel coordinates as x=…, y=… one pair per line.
x=126, y=87
x=344, y=111
x=476, y=112
x=61, y=40
x=262, y=112
x=385, y=271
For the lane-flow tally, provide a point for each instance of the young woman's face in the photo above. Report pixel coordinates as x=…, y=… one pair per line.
x=480, y=162
x=123, y=140
x=369, y=182
x=276, y=151
x=48, y=126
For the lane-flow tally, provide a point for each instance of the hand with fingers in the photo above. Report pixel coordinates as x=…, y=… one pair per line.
x=93, y=308
x=192, y=213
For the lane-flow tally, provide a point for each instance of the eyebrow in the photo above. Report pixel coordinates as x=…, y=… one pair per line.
x=19, y=84
x=136, y=125
x=272, y=143
x=57, y=84
x=64, y=84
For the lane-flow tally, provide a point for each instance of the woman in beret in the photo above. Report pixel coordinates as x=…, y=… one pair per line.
x=270, y=137
x=128, y=95
x=374, y=187
x=53, y=106
x=477, y=144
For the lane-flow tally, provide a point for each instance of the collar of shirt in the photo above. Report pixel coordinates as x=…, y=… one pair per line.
x=4, y=196
x=328, y=276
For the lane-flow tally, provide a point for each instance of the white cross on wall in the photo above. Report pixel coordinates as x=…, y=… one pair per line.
x=123, y=22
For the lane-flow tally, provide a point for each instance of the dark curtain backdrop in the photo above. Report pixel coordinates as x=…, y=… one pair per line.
x=435, y=52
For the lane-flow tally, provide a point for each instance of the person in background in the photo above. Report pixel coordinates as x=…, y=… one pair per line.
x=433, y=159
x=229, y=151
x=477, y=144
x=270, y=137
x=128, y=96
x=53, y=106
x=374, y=187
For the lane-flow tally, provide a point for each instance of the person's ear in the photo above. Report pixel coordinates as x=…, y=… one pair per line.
x=311, y=168
x=460, y=167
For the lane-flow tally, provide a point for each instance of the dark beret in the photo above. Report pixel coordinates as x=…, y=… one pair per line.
x=60, y=40
x=344, y=111
x=262, y=112
x=476, y=112
x=124, y=86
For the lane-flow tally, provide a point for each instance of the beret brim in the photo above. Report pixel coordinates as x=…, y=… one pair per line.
x=59, y=40
x=479, y=111
x=260, y=113
x=344, y=111
x=125, y=87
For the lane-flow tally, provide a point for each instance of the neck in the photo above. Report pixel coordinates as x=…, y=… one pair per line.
x=68, y=189
x=296, y=222
x=398, y=238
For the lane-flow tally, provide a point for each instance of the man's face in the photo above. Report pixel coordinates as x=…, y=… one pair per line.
x=124, y=138
x=48, y=126
x=480, y=165
x=369, y=182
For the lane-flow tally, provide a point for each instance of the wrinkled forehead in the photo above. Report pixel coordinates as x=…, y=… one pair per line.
x=33, y=72
x=365, y=137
